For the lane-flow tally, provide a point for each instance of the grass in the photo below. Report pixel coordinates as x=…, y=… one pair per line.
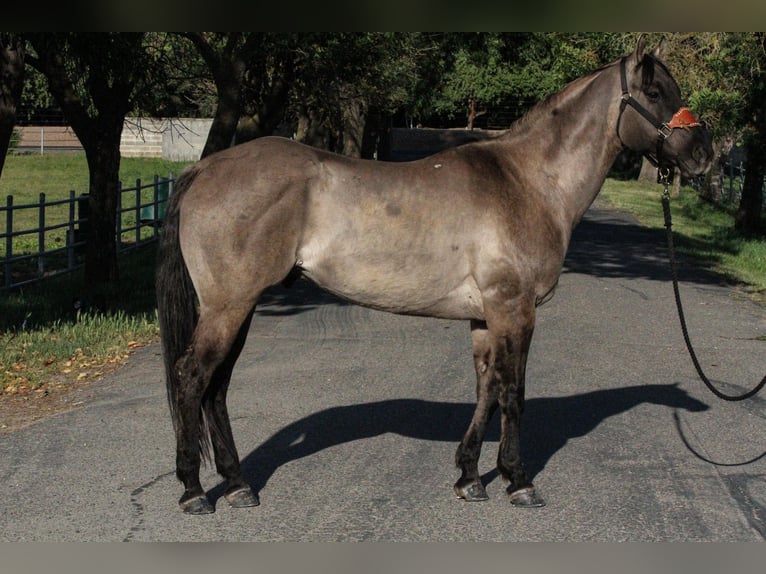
x=703, y=232
x=44, y=341
x=44, y=338
x=25, y=176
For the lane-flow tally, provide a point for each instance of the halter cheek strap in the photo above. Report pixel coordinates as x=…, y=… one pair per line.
x=682, y=119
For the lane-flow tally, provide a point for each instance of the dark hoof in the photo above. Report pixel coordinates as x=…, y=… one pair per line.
x=471, y=492
x=526, y=497
x=197, y=505
x=242, y=498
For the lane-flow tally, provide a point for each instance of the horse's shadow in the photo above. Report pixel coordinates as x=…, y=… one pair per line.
x=548, y=424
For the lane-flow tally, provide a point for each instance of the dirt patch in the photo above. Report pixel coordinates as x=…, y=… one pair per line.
x=25, y=408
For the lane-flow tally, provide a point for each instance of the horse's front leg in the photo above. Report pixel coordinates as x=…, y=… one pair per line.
x=513, y=339
x=469, y=486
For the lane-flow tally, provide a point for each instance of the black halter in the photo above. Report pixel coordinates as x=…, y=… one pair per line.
x=663, y=129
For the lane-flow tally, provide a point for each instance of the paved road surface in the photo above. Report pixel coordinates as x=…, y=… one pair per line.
x=347, y=421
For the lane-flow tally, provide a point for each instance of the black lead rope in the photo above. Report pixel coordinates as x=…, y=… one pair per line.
x=704, y=458
x=692, y=354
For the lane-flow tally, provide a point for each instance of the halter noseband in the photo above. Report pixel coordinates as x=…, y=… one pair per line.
x=682, y=119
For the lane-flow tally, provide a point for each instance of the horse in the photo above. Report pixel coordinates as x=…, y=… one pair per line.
x=476, y=233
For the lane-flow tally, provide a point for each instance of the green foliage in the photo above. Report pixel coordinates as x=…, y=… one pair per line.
x=378, y=67
x=516, y=69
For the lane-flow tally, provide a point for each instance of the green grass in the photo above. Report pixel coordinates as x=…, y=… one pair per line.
x=702, y=231
x=26, y=176
x=43, y=339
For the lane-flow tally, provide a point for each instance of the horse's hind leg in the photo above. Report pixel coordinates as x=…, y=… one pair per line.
x=469, y=485
x=213, y=339
x=238, y=492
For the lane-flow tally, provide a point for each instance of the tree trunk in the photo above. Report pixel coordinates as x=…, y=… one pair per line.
x=648, y=172
x=712, y=191
x=103, y=155
x=11, y=84
x=224, y=126
x=311, y=129
x=228, y=71
x=471, y=113
x=748, y=216
x=353, y=114
x=267, y=117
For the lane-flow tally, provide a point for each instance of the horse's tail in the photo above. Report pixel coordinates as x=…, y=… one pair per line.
x=176, y=297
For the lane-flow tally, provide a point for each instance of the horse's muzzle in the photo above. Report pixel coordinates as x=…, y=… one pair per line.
x=698, y=156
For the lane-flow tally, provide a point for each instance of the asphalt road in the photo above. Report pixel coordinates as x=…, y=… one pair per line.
x=347, y=421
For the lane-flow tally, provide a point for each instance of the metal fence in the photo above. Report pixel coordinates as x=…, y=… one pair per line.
x=52, y=240
x=732, y=181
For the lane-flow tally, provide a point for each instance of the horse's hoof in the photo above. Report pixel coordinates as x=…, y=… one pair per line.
x=197, y=505
x=242, y=498
x=526, y=497
x=471, y=492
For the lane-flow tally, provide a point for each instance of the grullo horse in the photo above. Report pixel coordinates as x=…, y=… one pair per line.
x=478, y=233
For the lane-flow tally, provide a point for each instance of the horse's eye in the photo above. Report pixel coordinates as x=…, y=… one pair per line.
x=653, y=95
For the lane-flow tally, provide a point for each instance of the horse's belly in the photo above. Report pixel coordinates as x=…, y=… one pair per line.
x=402, y=290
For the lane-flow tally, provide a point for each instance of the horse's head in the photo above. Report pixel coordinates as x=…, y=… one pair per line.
x=671, y=396
x=653, y=119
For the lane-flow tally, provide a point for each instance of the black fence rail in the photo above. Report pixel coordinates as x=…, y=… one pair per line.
x=48, y=238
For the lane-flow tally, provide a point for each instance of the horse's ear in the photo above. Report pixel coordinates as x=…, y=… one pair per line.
x=638, y=54
x=659, y=51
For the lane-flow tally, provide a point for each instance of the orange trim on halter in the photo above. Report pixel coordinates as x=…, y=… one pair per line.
x=683, y=118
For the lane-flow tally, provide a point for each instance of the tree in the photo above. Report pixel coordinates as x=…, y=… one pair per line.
x=345, y=79
x=95, y=79
x=222, y=52
x=11, y=84
x=711, y=86
x=748, y=216
x=511, y=70
x=252, y=72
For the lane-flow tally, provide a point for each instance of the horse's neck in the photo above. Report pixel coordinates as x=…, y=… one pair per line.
x=574, y=137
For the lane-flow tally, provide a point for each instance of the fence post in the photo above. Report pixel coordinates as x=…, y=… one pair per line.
x=8, y=240
x=138, y=211
x=118, y=223
x=731, y=181
x=70, y=239
x=156, y=205
x=41, y=238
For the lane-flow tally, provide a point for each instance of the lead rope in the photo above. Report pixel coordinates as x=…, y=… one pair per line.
x=664, y=178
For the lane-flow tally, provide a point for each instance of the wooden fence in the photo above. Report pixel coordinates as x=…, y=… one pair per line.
x=55, y=242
